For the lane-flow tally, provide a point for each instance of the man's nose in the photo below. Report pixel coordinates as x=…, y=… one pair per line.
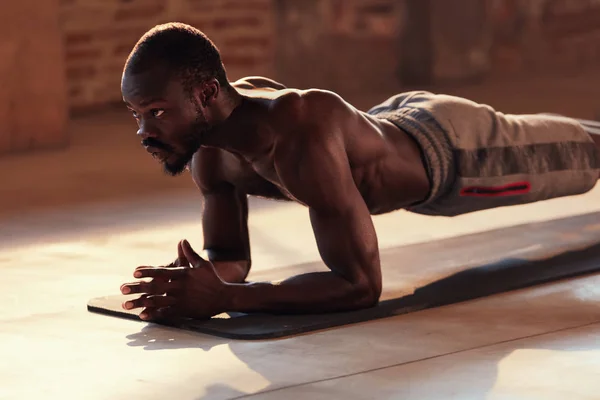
x=146, y=130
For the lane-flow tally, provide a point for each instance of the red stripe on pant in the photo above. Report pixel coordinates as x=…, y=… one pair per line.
x=511, y=189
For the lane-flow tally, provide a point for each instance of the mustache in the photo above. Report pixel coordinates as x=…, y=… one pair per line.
x=151, y=142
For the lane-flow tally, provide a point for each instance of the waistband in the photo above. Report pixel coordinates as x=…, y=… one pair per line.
x=434, y=144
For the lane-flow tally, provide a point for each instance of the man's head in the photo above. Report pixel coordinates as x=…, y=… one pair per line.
x=175, y=84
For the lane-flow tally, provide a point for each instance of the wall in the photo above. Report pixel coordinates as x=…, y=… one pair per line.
x=334, y=44
x=460, y=38
x=348, y=46
x=533, y=37
x=473, y=40
x=98, y=36
x=33, y=107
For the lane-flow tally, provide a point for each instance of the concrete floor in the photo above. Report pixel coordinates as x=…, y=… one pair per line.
x=513, y=345
x=76, y=223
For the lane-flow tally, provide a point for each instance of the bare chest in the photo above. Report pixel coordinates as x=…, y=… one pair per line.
x=258, y=178
x=266, y=171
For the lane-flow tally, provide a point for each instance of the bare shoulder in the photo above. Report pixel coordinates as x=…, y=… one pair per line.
x=308, y=122
x=258, y=82
x=300, y=109
x=310, y=152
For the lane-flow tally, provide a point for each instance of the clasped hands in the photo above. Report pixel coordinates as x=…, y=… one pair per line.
x=189, y=287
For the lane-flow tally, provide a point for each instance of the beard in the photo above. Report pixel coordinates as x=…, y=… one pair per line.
x=191, y=141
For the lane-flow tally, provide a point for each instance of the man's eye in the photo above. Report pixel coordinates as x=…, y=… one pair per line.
x=158, y=113
x=135, y=115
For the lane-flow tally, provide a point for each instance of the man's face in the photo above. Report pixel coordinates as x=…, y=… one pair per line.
x=170, y=122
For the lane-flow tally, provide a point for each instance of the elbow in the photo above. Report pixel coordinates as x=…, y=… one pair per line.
x=366, y=294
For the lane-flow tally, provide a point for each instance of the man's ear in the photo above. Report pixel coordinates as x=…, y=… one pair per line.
x=207, y=92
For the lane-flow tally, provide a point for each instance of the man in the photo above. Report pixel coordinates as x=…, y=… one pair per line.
x=429, y=154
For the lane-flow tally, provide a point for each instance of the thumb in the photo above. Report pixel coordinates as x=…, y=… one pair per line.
x=182, y=260
x=191, y=255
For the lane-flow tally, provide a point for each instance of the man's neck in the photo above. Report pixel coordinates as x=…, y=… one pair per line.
x=229, y=101
x=237, y=133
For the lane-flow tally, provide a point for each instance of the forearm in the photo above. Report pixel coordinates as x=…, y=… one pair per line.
x=225, y=228
x=309, y=293
x=232, y=271
x=232, y=267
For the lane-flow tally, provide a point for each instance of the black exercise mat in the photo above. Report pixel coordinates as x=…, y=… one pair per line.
x=426, y=275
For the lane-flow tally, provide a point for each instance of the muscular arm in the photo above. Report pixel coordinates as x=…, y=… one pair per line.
x=225, y=226
x=224, y=221
x=318, y=174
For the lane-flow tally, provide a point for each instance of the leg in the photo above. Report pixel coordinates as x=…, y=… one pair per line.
x=596, y=137
x=593, y=128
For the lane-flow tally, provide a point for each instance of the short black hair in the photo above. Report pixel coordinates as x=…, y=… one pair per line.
x=186, y=51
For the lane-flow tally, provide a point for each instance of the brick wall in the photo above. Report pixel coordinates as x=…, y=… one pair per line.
x=470, y=40
x=544, y=36
x=33, y=104
x=98, y=36
x=460, y=37
x=348, y=46
x=342, y=45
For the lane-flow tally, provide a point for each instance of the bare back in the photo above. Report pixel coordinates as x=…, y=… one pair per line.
x=385, y=163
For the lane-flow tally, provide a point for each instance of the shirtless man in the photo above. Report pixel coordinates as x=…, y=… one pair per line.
x=429, y=154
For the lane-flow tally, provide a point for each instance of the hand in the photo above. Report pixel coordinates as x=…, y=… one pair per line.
x=189, y=288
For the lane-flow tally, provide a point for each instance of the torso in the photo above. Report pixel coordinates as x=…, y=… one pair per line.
x=386, y=163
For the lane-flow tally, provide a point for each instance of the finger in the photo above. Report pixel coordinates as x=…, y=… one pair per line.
x=182, y=260
x=149, y=301
x=159, y=314
x=160, y=272
x=191, y=255
x=144, y=266
x=131, y=304
x=170, y=265
x=154, y=287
